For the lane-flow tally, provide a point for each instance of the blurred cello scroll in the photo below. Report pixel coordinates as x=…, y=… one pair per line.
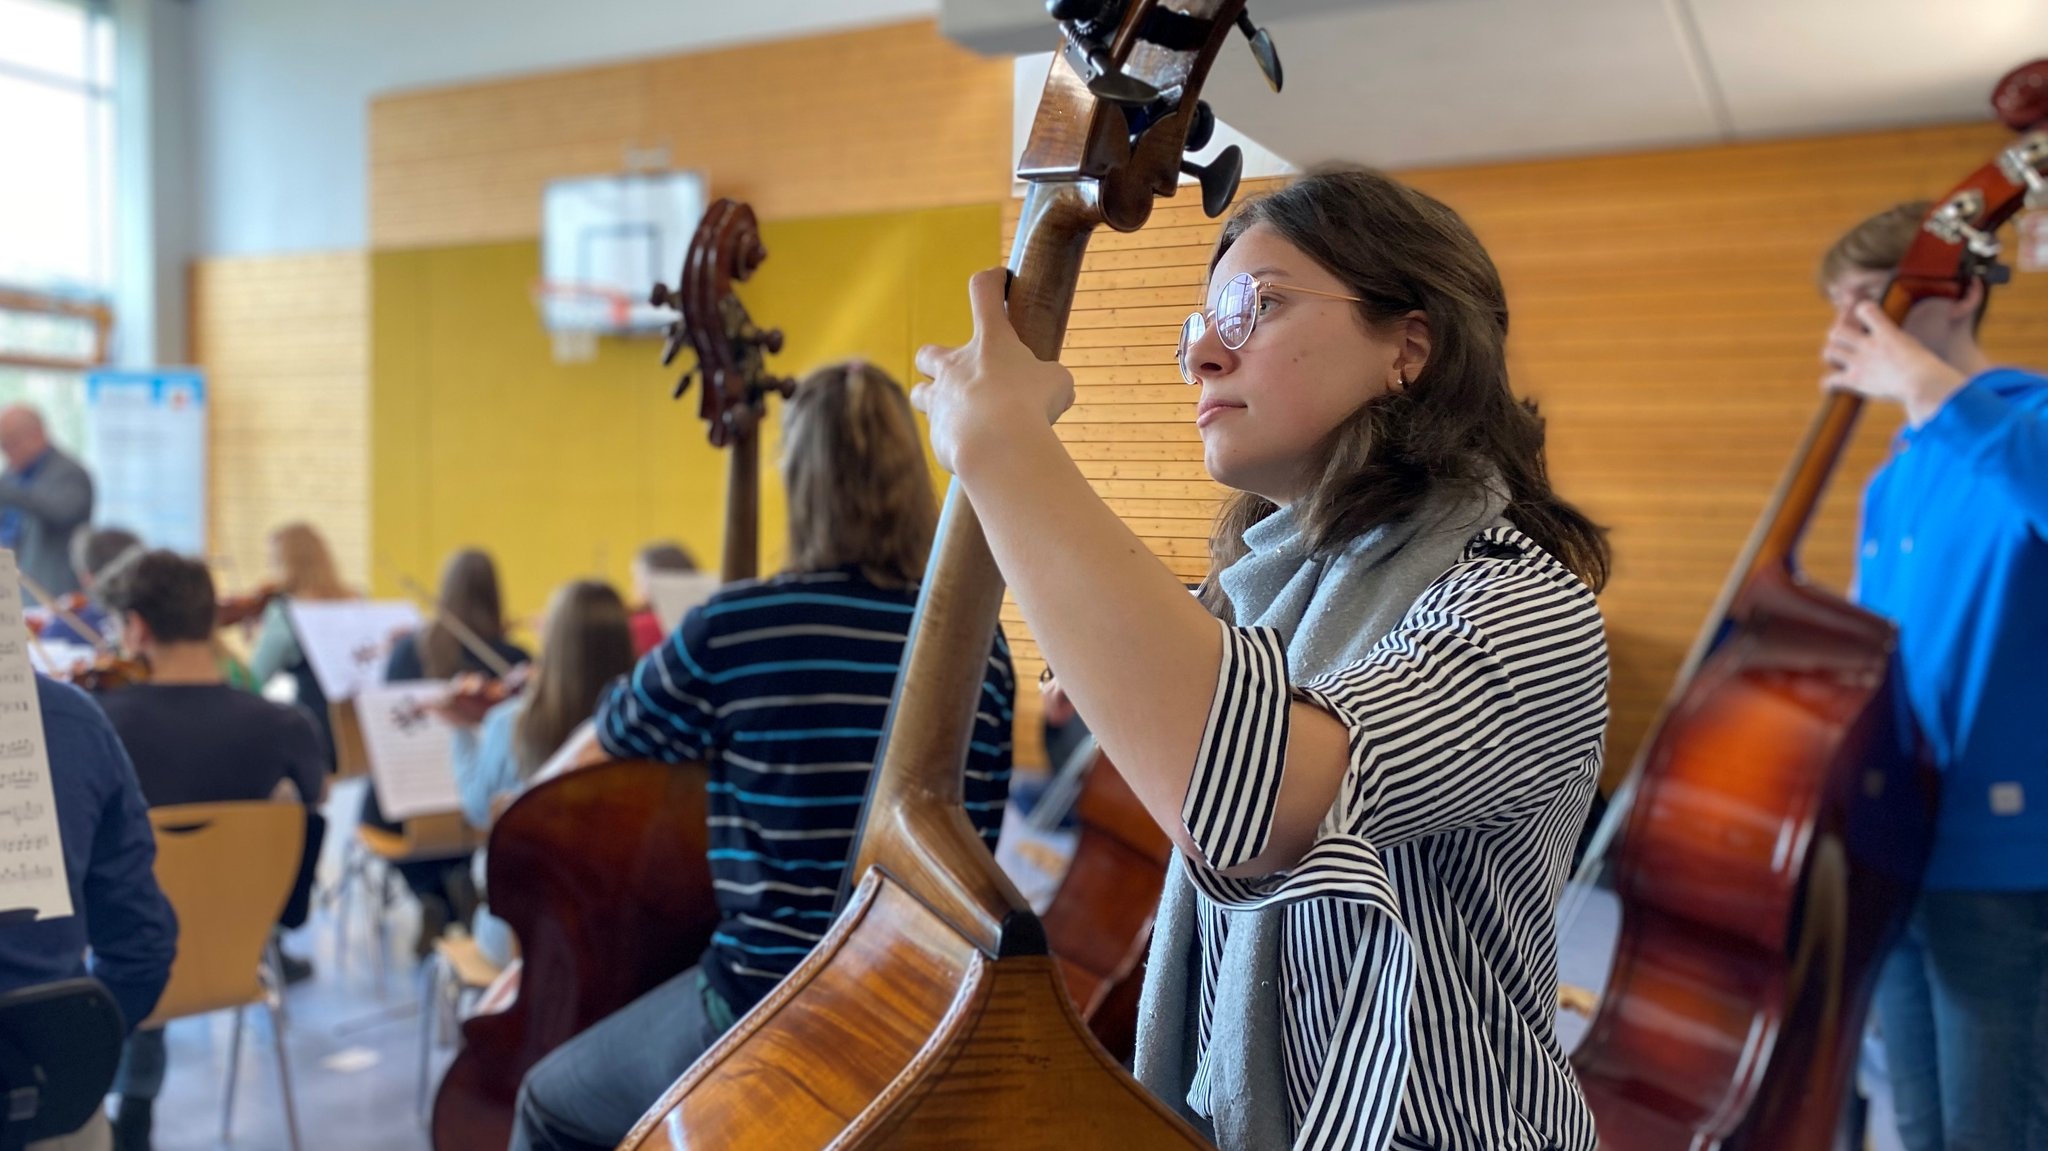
x=933, y=1014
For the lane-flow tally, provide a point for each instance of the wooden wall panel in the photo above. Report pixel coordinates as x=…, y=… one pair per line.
x=285, y=344
x=874, y=120
x=1665, y=316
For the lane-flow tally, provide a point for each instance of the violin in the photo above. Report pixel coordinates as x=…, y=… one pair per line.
x=1774, y=830
x=603, y=871
x=107, y=671
x=932, y=1014
x=471, y=696
x=231, y=610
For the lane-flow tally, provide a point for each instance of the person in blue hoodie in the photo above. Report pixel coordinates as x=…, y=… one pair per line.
x=1954, y=549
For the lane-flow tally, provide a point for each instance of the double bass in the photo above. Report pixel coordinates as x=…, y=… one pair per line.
x=932, y=1014
x=602, y=871
x=1779, y=820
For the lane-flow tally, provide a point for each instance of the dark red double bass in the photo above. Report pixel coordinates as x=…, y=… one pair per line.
x=1782, y=814
x=602, y=870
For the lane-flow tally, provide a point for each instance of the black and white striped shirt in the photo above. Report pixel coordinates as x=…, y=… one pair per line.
x=1418, y=954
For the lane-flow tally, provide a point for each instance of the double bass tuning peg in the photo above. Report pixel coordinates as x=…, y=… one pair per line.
x=1201, y=127
x=1262, y=49
x=1218, y=178
x=1085, y=23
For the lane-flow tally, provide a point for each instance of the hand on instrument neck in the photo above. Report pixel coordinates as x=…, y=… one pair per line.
x=1917, y=366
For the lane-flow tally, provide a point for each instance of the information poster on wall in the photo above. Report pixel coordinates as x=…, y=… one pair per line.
x=145, y=443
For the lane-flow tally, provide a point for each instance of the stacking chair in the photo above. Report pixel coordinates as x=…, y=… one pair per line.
x=228, y=869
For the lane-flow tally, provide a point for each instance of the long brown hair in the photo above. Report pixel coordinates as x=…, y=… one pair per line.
x=587, y=645
x=854, y=467
x=469, y=592
x=306, y=566
x=1457, y=422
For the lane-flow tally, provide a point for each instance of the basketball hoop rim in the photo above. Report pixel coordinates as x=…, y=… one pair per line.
x=618, y=305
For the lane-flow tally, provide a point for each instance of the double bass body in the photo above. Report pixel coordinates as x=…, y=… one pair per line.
x=1778, y=838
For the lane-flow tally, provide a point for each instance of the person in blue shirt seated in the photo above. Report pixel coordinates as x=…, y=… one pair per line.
x=1954, y=549
x=122, y=930
x=587, y=644
x=780, y=688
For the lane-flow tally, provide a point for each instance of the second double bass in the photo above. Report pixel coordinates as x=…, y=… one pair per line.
x=602, y=871
x=1779, y=820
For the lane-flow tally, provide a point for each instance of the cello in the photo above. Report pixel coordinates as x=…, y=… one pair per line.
x=1779, y=819
x=602, y=871
x=932, y=1013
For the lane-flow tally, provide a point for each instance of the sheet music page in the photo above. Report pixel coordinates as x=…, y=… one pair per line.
x=675, y=593
x=410, y=749
x=32, y=872
x=347, y=641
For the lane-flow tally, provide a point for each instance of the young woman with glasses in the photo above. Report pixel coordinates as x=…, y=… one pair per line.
x=1375, y=748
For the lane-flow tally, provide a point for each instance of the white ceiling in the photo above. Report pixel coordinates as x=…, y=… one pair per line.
x=1403, y=83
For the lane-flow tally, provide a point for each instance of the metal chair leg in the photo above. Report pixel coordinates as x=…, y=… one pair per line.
x=382, y=933
x=430, y=1014
x=284, y=1076
x=227, y=1106
x=351, y=873
x=272, y=976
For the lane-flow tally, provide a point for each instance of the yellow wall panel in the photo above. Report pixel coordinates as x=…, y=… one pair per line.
x=284, y=341
x=566, y=470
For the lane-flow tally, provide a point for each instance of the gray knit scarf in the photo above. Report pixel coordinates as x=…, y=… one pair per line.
x=1331, y=610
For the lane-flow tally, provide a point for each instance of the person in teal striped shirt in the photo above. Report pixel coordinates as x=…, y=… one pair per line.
x=780, y=687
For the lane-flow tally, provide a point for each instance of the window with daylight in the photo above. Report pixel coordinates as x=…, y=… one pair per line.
x=57, y=200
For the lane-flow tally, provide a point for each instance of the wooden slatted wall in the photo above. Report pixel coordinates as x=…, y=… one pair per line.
x=1664, y=315
x=879, y=119
x=285, y=344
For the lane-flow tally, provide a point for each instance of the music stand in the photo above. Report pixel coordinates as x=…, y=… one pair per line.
x=59, y=1045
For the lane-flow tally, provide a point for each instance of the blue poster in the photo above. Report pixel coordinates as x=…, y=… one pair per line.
x=145, y=444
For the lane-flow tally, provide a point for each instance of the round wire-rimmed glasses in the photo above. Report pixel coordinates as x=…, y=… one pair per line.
x=1236, y=315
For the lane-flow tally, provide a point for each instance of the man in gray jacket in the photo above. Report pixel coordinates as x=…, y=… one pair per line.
x=45, y=495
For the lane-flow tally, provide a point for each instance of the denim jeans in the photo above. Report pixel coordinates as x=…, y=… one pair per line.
x=588, y=1094
x=1963, y=1004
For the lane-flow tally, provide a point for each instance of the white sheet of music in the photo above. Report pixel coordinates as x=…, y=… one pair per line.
x=675, y=593
x=32, y=872
x=347, y=641
x=410, y=749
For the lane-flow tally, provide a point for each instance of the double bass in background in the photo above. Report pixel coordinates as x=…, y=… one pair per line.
x=932, y=1014
x=1781, y=815
x=601, y=871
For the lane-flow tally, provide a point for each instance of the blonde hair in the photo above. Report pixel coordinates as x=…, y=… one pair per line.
x=588, y=644
x=854, y=467
x=1875, y=245
x=308, y=567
